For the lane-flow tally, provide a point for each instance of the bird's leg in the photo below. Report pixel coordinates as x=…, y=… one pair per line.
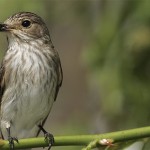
x=11, y=139
x=48, y=137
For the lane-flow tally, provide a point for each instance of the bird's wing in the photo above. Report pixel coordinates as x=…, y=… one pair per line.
x=59, y=79
x=2, y=88
x=2, y=82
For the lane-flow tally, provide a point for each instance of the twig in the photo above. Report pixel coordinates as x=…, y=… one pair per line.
x=79, y=140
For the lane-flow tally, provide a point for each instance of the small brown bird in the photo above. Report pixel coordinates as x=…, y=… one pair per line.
x=30, y=77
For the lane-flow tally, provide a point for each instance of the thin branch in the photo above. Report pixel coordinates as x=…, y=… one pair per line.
x=91, y=145
x=80, y=140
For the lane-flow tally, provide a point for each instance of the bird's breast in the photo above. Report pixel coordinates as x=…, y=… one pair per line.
x=31, y=84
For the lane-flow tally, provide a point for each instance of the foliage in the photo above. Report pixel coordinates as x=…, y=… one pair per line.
x=119, y=59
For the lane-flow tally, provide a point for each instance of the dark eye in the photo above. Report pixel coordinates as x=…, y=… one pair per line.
x=26, y=23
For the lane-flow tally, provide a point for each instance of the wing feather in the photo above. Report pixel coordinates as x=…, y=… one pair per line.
x=59, y=80
x=2, y=87
x=2, y=82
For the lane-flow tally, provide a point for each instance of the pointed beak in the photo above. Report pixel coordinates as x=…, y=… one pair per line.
x=3, y=28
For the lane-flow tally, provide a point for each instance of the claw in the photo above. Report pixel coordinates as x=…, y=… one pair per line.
x=11, y=142
x=48, y=137
x=11, y=139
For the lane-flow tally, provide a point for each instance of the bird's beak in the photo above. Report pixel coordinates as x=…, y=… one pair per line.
x=3, y=27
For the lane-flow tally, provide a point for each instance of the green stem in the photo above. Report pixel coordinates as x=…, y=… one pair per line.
x=80, y=140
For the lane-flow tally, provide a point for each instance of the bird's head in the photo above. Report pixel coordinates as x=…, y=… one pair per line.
x=26, y=26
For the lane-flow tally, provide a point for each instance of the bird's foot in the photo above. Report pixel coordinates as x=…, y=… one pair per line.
x=11, y=139
x=11, y=142
x=48, y=137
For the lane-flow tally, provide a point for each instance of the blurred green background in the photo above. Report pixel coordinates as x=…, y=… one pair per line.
x=104, y=47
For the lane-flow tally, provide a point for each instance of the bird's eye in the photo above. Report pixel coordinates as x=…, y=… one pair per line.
x=26, y=23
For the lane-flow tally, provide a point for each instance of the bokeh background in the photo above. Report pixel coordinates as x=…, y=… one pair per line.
x=104, y=46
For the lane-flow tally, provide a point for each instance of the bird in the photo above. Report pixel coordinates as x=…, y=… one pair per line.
x=30, y=78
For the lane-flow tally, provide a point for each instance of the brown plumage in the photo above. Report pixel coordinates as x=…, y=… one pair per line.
x=30, y=76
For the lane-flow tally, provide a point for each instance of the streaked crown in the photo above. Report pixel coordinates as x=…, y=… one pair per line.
x=26, y=24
